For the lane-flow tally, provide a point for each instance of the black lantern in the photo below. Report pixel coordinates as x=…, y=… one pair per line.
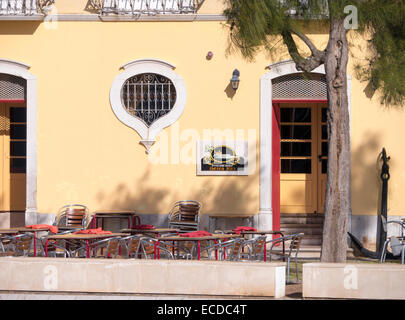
x=235, y=79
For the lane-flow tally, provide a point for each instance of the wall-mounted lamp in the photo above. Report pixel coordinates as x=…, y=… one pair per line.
x=235, y=79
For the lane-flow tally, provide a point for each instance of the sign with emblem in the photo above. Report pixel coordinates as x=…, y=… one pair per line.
x=222, y=158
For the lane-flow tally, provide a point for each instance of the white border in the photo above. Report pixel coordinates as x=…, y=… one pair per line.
x=148, y=134
x=265, y=217
x=20, y=70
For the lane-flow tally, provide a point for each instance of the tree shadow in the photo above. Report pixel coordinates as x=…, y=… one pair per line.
x=366, y=184
x=152, y=201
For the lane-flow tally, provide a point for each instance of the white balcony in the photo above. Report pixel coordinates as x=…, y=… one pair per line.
x=146, y=7
x=11, y=8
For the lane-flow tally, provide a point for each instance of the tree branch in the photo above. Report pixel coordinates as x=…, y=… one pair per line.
x=316, y=59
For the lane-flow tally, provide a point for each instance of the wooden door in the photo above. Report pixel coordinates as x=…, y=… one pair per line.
x=13, y=141
x=322, y=155
x=303, y=154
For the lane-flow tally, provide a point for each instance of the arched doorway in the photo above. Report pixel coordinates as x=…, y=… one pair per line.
x=18, y=109
x=300, y=145
x=283, y=87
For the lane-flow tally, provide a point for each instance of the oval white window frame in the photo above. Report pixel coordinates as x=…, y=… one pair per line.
x=148, y=134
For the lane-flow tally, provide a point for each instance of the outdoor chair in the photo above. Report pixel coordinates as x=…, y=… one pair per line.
x=185, y=216
x=131, y=245
x=3, y=243
x=255, y=247
x=62, y=248
x=290, y=252
x=397, y=245
x=56, y=248
x=400, y=223
x=20, y=244
x=231, y=250
x=106, y=248
x=151, y=248
x=73, y=215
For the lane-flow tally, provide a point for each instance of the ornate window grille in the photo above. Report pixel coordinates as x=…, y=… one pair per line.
x=148, y=96
x=12, y=88
x=146, y=7
x=23, y=7
x=298, y=86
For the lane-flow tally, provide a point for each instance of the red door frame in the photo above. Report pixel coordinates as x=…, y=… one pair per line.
x=12, y=101
x=275, y=197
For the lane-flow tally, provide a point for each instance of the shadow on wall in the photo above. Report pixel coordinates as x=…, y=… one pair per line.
x=230, y=92
x=18, y=27
x=366, y=186
x=233, y=195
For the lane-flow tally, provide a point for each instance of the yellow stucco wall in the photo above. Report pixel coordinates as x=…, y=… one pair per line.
x=86, y=155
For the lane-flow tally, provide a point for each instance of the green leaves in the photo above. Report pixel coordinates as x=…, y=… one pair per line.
x=257, y=24
x=384, y=23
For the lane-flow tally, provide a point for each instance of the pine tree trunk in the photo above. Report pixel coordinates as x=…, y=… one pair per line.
x=334, y=246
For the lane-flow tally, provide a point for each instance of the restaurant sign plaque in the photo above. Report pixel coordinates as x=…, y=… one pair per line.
x=222, y=158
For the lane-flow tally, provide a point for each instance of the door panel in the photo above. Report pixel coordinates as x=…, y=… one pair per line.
x=3, y=132
x=322, y=156
x=13, y=142
x=303, y=155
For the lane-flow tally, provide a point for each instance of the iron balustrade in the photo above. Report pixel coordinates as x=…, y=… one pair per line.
x=23, y=7
x=146, y=7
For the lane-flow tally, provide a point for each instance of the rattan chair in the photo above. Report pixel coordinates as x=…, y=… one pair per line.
x=185, y=216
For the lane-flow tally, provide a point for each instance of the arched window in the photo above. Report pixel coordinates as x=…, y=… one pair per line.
x=148, y=96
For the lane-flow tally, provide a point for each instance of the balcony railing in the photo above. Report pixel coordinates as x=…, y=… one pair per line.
x=146, y=7
x=23, y=7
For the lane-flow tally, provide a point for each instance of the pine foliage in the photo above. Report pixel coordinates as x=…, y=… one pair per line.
x=257, y=24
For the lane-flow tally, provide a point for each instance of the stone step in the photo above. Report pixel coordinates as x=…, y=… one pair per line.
x=312, y=240
x=300, y=215
x=305, y=228
x=301, y=219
